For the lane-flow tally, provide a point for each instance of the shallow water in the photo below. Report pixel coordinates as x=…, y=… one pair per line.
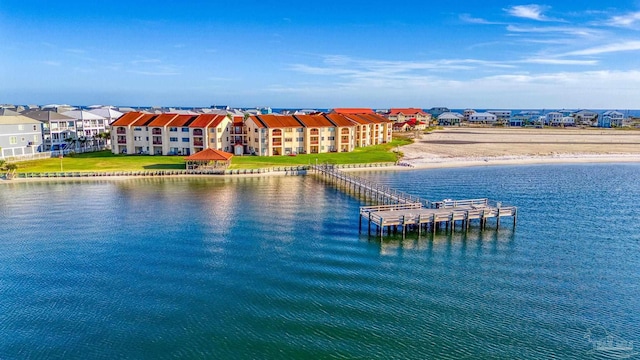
x=274, y=267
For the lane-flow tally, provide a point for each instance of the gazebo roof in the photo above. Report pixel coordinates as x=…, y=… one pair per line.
x=210, y=155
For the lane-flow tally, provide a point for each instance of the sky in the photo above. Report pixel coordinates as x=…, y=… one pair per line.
x=304, y=54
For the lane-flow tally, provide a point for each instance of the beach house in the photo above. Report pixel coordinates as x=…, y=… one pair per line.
x=482, y=118
x=57, y=129
x=407, y=114
x=586, y=118
x=611, y=119
x=19, y=136
x=450, y=118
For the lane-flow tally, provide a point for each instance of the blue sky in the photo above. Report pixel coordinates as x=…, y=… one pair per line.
x=490, y=54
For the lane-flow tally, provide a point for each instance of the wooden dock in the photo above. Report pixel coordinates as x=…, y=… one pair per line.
x=397, y=210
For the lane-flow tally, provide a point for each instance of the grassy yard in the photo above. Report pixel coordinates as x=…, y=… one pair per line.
x=106, y=161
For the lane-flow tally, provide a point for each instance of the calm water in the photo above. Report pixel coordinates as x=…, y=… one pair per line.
x=275, y=268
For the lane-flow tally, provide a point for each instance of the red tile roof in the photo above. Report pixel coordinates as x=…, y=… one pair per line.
x=339, y=120
x=314, y=120
x=144, y=120
x=209, y=154
x=257, y=121
x=353, y=111
x=162, y=120
x=183, y=120
x=279, y=121
x=127, y=119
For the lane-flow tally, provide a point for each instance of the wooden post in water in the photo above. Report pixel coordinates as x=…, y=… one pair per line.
x=515, y=215
x=498, y=220
x=404, y=226
x=433, y=224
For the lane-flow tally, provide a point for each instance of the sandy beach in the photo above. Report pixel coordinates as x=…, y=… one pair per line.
x=468, y=146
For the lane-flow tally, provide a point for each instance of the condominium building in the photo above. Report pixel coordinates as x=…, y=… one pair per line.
x=265, y=135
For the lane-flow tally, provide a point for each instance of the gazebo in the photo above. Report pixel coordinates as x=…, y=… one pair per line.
x=209, y=159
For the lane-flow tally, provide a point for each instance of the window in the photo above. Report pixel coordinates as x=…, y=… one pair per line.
x=173, y=139
x=331, y=138
x=173, y=129
x=137, y=129
x=185, y=139
x=288, y=139
x=300, y=139
x=35, y=128
x=36, y=138
x=185, y=129
x=20, y=127
x=212, y=140
x=219, y=130
x=137, y=138
x=300, y=129
x=255, y=130
x=13, y=140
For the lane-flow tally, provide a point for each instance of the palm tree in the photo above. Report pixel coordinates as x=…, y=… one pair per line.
x=83, y=142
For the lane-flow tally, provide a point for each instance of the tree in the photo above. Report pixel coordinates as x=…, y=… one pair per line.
x=11, y=169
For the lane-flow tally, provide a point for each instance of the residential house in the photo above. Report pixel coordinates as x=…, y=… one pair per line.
x=108, y=113
x=467, y=113
x=586, y=118
x=352, y=111
x=88, y=125
x=19, y=136
x=524, y=118
x=553, y=117
x=482, y=118
x=502, y=116
x=57, y=129
x=437, y=111
x=611, y=119
x=564, y=121
x=450, y=118
x=406, y=114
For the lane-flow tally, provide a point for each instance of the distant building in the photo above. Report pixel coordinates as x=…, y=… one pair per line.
x=611, y=119
x=56, y=128
x=437, y=111
x=482, y=118
x=586, y=118
x=352, y=111
x=564, y=121
x=450, y=118
x=524, y=118
x=19, y=136
x=553, y=117
x=406, y=114
x=503, y=116
x=467, y=113
x=265, y=135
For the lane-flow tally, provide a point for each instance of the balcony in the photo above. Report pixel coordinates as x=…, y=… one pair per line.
x=277, y=143
x=156, y=131
x=121, y=131
x=197, y=132
x=197, y=143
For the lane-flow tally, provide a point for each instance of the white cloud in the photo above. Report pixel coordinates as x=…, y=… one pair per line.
x=467, y=18
x=575, y=31
x=626, y=20
x=610, y=48
x=555, y=61
x=533, y=12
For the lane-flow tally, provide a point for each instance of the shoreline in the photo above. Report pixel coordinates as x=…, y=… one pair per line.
x=420, y=163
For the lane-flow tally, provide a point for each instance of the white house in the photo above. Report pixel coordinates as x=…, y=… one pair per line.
x=586, y=117
x=19, y=136
x=482, y=118
x=553, y=117
x=563, y=121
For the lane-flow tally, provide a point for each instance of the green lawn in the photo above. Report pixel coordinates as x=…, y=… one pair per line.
x=106, y=161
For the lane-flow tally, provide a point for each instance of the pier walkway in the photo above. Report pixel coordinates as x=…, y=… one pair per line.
x=397, y=209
